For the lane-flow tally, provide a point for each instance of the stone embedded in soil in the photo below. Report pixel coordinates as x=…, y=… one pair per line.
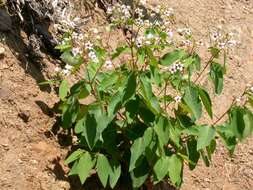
x=2, y=51
x=24, y=115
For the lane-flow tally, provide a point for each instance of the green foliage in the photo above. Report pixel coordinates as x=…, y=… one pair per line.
x=136, y=128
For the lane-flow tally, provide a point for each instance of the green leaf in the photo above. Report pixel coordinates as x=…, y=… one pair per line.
x=227, y=137
x=108, y=81
x=173, y=56
x=137, y=150
x=206, y=100
x=90, y=130
x=216, y=74
x=63, y=90
x=103, y=169
x=82, y=167
x=130, y=87
x=192, y=152
x=74, y=156
x=191, y=98
x=175, y=169
x=140, y=174
x=119, y=51
x=215, y=52
x=162, y=129
x=149, y=98
x=161, y=168
x=68, y=58
x=205, y=136
x=210, y=149
x=241, y=122
x=115, y=173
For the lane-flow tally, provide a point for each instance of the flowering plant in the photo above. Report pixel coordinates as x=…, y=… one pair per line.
x=136, y=111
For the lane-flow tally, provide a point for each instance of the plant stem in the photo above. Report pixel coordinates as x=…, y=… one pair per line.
x=207, y=64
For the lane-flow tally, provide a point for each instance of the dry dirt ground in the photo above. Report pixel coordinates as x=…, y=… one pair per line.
x=31, y=156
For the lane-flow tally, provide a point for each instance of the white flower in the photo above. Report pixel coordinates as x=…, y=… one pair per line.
x=139, y=21
x=179, y=66
x=173, y=69
x=169, y=12
x=95, y=31
x=221, y=45
x=238, y=100
x=88, y=45
x=251, y=89
x=232, y=43
x=57, y=69
x=170, y=33
x=139, y=12
x=76, y=51
x=68, y=67
x=139, y=42
x=184, y=31
x=215, y=36
x=92, y=55
x=186, y=42
x=150, y=36
x=108, y=64
x=109, y=10
x=178, y=99
x=143, y=2
x=148, y=42
x=66, y=72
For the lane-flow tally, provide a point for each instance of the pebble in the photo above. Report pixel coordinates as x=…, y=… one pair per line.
x=2, y=51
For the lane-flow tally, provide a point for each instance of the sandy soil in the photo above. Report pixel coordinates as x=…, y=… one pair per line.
x=31, y=156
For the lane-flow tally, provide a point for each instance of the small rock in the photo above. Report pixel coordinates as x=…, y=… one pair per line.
x=34, y=162
x=20, y=161
x=24, y=115
x=2, y=51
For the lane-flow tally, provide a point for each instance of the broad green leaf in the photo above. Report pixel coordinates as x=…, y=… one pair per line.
x=137, y=150
x=74, y=156
x=141, y=55
x=115, y=104
x=210, y=149
x=191, y=98
x=115, y=173
x=227, y=137
x=84, y=167
x=175, y=165
x=214, y=51
x=161, y=168
x=109, y=81
x=205, y=136
x=68, y=58
x=206, y=100
x=150, y=100
x=140, y=174
x=192, y=152
x=79, y=127
x=70, y=112
x=162, y=129
x=216, y=74
x=130, y=87
x=103, y=169
x=173, y=56
x=241, y=122
x=90, y=130
x=80, y=90
x=205, y=158
x=119, y=51
x=63, y=90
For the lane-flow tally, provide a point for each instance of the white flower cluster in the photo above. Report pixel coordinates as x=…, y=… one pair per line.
x=119, y=12
x=222, y=40
x=184, y=31
x=66, y=71
x=176, y=67
x=92, y=54
x=178, y=99
x=147, y=40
